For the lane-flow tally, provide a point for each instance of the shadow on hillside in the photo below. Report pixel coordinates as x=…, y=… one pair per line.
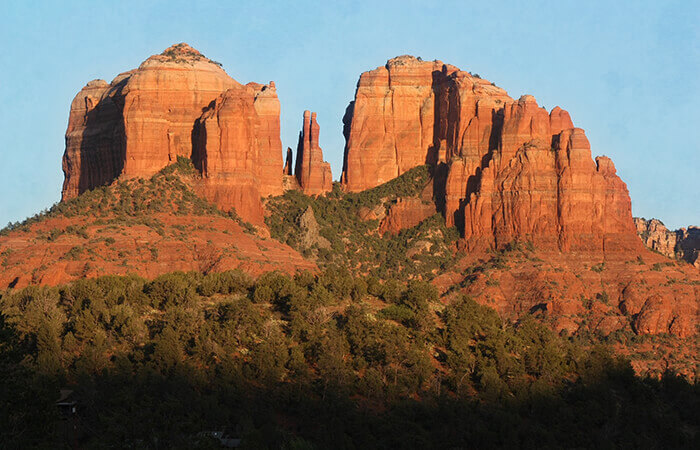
x=178, y=407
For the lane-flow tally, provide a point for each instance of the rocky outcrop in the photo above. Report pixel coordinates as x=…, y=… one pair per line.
x=662, y=314
x=238, y=150
x=557, y=198
x=310, y=231
x=406, y=213
x=144, y=120
x=312, y=172
x=688, y=244
x=404, y=110
x=505, y=170
x=682, y=244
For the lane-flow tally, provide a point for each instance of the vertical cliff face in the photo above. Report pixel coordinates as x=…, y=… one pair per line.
x=558, y=198
x=391, y=125
x=505, y=169
x=312, y=172
x=162, y=99
x=406, y=111
x=238, y=151
x=95, y=138
x=145, y=119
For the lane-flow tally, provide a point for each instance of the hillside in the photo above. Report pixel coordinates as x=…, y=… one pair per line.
x=327, y=361
x=614, y=297
x=139, y=226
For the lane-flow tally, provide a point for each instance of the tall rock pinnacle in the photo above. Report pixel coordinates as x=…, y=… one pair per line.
x=312, y=172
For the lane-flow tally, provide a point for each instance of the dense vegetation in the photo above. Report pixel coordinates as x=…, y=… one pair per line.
x=312, y=361
x=417, y=252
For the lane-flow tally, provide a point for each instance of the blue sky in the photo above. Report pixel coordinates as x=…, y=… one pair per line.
x=627, y=71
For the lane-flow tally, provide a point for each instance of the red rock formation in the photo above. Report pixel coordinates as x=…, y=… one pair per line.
x=237, y=149
x=559, y=199
x=511, y=170
x=144, y=120
x=664, y=314
x=392, y=122
x=403, y=110
x=406, y=213
x=95, y=140
x=312, y=172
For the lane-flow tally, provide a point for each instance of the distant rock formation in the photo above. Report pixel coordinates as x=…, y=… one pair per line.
x=683, y=243
x=145, y=119
x=312, y=172
x=505, y=170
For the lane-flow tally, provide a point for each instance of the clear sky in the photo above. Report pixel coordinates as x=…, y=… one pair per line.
x=627, y=71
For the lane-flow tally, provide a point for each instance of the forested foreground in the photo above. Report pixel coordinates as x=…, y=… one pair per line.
x=313, y=361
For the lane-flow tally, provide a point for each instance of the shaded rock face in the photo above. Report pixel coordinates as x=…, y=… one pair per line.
x=683, y=243
x=505, y=169
x=312, y=172
x=689, y=244
x=145, y=119
x=288, y=163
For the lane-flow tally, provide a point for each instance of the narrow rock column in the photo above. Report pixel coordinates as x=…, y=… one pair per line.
x=312, y=172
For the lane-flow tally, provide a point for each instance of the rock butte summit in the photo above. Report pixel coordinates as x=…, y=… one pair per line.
x=505, y=169
x=178, y=104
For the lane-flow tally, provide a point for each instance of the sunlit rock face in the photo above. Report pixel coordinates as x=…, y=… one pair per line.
x=508, y=169
x=148, y=117
x=312, y=172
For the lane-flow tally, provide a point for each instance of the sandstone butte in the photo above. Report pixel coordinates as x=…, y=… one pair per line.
x=178, y=104
x=507, y=169
x=312, y=173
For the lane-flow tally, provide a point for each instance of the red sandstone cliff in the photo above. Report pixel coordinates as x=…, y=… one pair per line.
x=507, y=169
x=312, y=172
x=144, y=120
x=238, y=150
